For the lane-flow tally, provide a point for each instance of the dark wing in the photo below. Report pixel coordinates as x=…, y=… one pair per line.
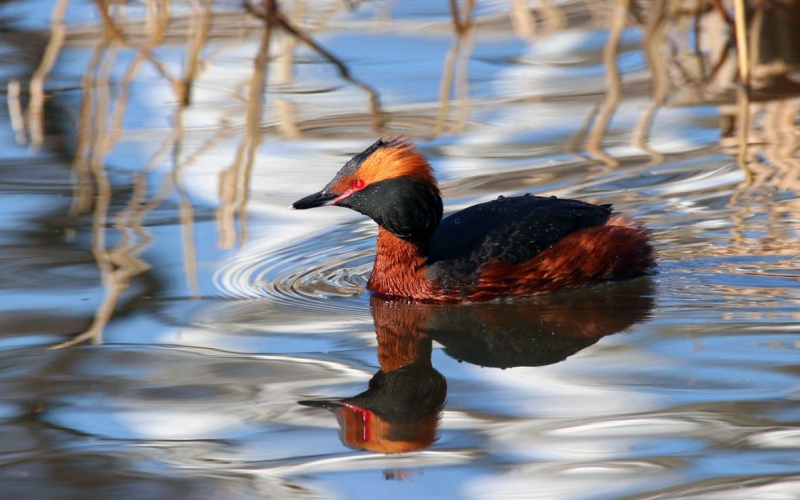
x=511, y=230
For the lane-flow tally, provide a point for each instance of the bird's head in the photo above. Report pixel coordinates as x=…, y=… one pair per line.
x=390, y=182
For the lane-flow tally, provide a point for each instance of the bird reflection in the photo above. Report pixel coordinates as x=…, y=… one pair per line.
x=400, y=410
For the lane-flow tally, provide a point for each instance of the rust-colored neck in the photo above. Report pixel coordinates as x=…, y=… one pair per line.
x=399, y=267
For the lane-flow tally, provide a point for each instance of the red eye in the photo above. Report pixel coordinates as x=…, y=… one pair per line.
x=359, y=184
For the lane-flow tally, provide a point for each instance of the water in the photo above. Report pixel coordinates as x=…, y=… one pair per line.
x=202, y=309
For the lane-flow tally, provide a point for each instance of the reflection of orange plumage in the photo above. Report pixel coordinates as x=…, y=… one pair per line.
x=507, y=247
x=399, y=412
x=366, y=430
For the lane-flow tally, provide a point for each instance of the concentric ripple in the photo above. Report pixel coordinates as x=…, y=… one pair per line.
x=306, y=274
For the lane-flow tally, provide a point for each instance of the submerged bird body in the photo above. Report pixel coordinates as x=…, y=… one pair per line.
x=507, y=247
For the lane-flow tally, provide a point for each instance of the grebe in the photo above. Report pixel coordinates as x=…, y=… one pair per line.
x=507, y=247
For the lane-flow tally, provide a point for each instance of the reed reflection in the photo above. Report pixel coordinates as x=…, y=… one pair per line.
x=401, y=408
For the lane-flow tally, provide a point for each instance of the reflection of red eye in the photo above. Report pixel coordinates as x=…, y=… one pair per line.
x=359, y=184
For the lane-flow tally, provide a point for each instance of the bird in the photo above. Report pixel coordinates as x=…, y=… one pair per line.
x=508, y=247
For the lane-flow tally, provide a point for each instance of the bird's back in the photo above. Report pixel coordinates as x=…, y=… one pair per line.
x=505, y=246
x=511, y=229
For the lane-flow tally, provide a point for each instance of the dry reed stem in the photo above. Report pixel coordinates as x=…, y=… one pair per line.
x=462, y=82
x=121, y=264
x=253, y=130
x=15, y=111
x=462, y=25
x=614, y=86
x=146, y=52
x=522, y=19
x=379, y=117
x=235, y=181
x=598, y=11
x=285, y=108
x=653, y=47
x=783, y=140
x=82, y=186
x=743, y=93
x=553, y=16
x=36, y=86
x=158, y=22
x=445, y=86
x=185, y=207
x=721, y=10
x=102, y=200
x=777, y=140
x=464, y=36
x=188, y=240
x=697, y=31
x=197, y=39
x=573, y=145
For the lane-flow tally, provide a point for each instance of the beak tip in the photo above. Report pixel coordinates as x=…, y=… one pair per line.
x=319, y=199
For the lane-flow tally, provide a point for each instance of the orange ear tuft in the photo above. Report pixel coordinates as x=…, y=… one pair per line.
x=392, y=159
x=399, y=158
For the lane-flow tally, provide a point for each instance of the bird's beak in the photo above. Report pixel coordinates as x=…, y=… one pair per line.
x=315, y=200
x=330, y=405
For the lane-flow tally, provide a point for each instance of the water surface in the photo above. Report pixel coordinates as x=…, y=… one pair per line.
x=146, y=231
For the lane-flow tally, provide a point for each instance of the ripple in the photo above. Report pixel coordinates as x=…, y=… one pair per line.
x=306, y=275
x=780, y=438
